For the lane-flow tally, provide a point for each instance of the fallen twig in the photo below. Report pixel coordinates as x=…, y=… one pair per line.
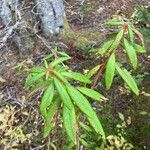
x=8, y=34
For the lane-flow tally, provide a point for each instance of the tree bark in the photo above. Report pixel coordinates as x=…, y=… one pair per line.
x=51, y=14
x=21, y=23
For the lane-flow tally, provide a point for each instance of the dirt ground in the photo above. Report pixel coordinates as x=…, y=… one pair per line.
x=22, y=112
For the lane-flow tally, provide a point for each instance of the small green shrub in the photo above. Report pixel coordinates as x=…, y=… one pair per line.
x=125, y=41
x=59, y=94
x=142, y=19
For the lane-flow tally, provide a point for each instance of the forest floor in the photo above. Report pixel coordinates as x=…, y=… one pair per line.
x=20, y=121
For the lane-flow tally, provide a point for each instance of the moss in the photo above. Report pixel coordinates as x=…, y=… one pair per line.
x=81, y=40
x=82, y=43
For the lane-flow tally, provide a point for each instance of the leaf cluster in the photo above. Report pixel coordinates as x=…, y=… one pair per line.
x=60, y=96
x=125, y=40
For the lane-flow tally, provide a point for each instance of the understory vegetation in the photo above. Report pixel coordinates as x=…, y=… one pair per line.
x=97, y=99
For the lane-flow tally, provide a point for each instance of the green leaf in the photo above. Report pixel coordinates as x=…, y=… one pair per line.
x=58, y=61
x=40, y=85
x=37, y=69
x=131, y=34
x=69, y=120
x=47, y=129
x=131, y=53
x=86, y=144
x=128, y=79
x=46, y=64
x=47, y=99
x=117, y=40
x=93, y=71
x=80, y=101
x=91, y=93
x=48, y=56
x=50, y=114
x=60, y=77
x=63, y=54
x=105, y=47
x=31, y=79
x=63, y=93
x=113, y=22
x=110, y=71
x=84, y=126
x=139, y=48
x=86, y=108
x=76, y=76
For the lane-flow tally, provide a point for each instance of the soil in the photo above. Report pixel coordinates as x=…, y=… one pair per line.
x=24, y=111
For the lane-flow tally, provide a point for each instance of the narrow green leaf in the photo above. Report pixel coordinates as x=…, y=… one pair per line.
x=86, y=108
x=91, y=93
x=110, y=71
x=86, y=144
x=63, y=54
x=48, y=56
x=50, y=114
x=105, y=47
x=84, y=126
x=76, y=76
x=37, y=69
x=52, y=108
x=60, y=77
x=131, y=53
x=47, y=99
x=80, y=101
x=131, y=34
x=60, y=68
x=139, y=48
x=92, y=71
x=117, y=40
x=128, y=79
x=31, y=79
x=69, y=120
x=47, y=129
x=46, y=64
x=63, y=93
x=58, y=61
x=40, y=85
x=113, y=23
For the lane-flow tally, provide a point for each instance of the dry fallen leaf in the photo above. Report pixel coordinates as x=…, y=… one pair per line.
x=2, y=80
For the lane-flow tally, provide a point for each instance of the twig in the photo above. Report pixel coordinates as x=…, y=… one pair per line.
x=99, y=74
x=48, y=46
x=8, y=34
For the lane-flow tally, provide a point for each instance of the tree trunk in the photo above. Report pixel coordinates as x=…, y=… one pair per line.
x=20, y=20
